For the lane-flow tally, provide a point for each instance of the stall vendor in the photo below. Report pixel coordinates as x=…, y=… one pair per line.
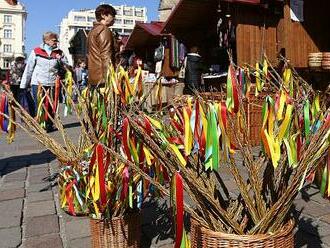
x=193, y=71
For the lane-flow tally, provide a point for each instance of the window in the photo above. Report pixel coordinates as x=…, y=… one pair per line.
x=8, y=33
x=128, y=22
x=79, y=18
x=139, y=13
x=118, y=21
x=7, y=48
x=128, y=31
x=90, y=19
x=6, y=63
x=128, y=12
x=8, y=19
x=117, y=30
x=118, y=11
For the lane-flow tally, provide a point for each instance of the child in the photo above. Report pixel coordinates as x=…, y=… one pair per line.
x=81, y=75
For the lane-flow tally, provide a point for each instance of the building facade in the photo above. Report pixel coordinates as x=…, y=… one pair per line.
x=125, y=20
x=12, y=31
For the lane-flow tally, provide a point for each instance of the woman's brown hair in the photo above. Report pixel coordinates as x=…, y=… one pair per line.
x=104, y=9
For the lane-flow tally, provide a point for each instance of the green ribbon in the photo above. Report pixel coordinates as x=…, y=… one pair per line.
x=306, y=119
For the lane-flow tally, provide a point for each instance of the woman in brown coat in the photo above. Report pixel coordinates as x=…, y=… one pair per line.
x=101, y=44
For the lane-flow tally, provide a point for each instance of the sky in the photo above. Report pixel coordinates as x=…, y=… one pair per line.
x=46, y=15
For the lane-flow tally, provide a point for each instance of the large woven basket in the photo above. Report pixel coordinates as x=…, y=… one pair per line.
x=123, y=232
x=253, y=111
x=204, y=238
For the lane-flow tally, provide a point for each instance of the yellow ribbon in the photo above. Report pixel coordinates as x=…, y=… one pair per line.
x=178, y=154
x=285, y=124
x=188, y=139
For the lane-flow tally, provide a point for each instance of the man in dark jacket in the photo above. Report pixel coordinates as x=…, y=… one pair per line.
x=193, y=71
x=101, y=47
x=16, y=72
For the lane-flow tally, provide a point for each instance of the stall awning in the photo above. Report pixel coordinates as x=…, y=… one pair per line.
x=144, y=34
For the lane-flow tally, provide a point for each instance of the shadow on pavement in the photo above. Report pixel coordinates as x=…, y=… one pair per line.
x=73, y=124
x=11, y=164
x=308, y=192
x=307, y=235
x=157, y=223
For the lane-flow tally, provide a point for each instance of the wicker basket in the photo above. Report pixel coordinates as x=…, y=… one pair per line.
x=118, y=232
x=253, y=111
x=204, y=238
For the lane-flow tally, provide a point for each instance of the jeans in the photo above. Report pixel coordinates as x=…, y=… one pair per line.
x=51, y=89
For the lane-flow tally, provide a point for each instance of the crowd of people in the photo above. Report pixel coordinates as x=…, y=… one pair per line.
x=47, y=64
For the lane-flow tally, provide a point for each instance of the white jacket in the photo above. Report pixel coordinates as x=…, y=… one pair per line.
x=42, y=68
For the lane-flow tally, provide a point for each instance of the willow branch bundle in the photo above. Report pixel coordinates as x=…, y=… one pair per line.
x=69, y=146
x=278, y=211
x=193, y=183
x=245, y=150
x=36, y=131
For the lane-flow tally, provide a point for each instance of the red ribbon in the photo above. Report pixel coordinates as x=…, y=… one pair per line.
x=224, y=114
x=2, y=109
x=93, y=159
x=125, y=181
x=69, y=198
x=100, y=153
x=175, y=140
x=47, y=107
x=147, y=125
x=165, y=174
x=179, y=209
x=176, y=125
x=57, y=93
x=141, y=155
x=197, y=121
x=235, y=89
x=202, y=143
x=125, y=139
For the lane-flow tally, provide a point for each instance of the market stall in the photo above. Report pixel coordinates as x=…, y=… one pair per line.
x=154, y=51
x=250, y=29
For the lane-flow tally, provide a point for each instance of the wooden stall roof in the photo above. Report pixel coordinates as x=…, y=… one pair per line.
x=195, y=13
x=144, y=34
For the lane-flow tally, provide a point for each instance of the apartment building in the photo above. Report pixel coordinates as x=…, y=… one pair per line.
x=12, y=31
x=125, y=20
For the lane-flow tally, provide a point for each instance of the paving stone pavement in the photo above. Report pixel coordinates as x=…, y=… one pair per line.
x=30, y=215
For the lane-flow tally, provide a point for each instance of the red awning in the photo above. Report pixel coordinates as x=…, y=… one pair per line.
x=12, y=2
x=144, y=34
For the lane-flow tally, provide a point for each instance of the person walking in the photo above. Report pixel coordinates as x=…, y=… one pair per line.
x=101, y=45
x=15, y=75
x=43, y=67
